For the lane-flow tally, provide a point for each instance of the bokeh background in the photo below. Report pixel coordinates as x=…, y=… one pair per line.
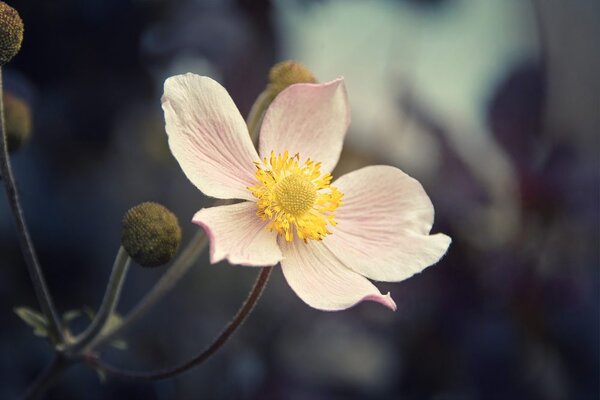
x=493, y=105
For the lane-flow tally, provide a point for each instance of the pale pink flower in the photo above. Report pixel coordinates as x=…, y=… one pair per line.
x=329, y=237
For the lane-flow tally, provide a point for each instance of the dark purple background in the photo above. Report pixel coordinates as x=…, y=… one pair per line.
x=512, y=321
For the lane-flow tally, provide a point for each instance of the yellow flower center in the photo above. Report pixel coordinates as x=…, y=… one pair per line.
x=296, y=194
x=296, y=198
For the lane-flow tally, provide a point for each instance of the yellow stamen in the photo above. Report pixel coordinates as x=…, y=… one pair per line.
x=296, y=198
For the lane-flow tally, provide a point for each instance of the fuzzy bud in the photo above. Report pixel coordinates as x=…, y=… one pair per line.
x=18, y=121
x=287, y=73
x=11, y=32
x=151, y=234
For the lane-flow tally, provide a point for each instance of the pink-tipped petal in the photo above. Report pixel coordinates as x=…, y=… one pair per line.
x=383, y=225
x=309, y=119
x=322, y=281
x=237, y=234
x=209, y=137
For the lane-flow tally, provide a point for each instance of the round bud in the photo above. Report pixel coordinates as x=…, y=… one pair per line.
x=287, y=73
x=18, y=121
x=11, y=32
x=151, y=234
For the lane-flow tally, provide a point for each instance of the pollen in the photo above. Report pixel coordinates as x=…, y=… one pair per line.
x=296, y=198
x=296, y=194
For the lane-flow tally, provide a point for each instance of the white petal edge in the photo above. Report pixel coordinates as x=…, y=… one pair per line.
x=309, y=119
x=322, y=281
x=383, y=225
x=208, y=136
x=237, y=234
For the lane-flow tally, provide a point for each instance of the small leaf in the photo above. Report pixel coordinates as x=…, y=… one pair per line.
x=71, y=315
x=89, y=312
x=113, y=321
x=60, y=347
x=34, y=319
x=119, y=344
x=101, y=375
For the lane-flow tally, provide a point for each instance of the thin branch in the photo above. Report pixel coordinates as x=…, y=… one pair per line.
x=109, y=303
x=219, y=341
x=257, y=112
x=55, y=331
x=163, y=286
x=47, y=377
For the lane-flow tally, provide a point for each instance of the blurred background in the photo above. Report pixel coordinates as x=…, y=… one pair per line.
x=493, y=105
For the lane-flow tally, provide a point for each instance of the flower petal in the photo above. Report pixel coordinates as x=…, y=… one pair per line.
x=383, y=225
x=322, y=281
x=209, y=137
x=309, y=119
x=237, y=234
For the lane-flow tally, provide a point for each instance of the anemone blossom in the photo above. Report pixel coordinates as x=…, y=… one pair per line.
x=328, y=236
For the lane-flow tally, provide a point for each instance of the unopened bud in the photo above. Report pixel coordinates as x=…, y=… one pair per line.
x=151, y=234
x=11, y=32
x=18, y=121
x=287, y=73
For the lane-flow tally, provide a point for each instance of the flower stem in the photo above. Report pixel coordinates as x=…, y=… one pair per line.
x=163, y=286
x=47, y=377
x=254, y=120
x=194, y=248
x=219, y=341
x=109, y=303
x=55, y=331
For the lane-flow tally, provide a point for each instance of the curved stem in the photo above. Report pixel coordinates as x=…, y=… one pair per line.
x=109, y=303
x=46, y=378
x=163, y=286
x=219, y=341
x=55, y=331
x=257, y=112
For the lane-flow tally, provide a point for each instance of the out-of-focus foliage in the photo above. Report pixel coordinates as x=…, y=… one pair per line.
x=491, y=104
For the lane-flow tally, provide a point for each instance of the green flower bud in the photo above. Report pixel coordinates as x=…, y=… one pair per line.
x=287, y=73
x=11, y=32
x=281, y=76
x=151, y=234
x=18, y=121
